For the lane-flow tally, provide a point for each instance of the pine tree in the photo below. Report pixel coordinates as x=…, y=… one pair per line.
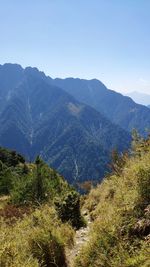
x=39, y=181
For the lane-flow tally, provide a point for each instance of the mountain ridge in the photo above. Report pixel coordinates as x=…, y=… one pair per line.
x=40, y=118
x=121, y=110
x=140, y=98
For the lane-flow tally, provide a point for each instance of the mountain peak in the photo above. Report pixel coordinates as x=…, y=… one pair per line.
x=11, y=67
x=34, y=72
x=42, y=118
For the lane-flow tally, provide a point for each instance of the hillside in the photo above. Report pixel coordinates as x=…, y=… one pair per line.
x=38, y=232
x=39, y=213
x=39, y=118
x=120, y=210
x=120, y=109
x=18, y=179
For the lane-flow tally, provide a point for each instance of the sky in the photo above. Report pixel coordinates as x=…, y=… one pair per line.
x=104, y=39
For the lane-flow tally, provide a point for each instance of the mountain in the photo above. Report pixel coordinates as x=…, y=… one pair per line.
x=140, y=98
x=148, y=106
x=120, y=109
x=37, y=117
x=10, y=76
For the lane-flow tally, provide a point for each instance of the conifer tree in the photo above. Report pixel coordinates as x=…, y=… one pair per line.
x=39, y=180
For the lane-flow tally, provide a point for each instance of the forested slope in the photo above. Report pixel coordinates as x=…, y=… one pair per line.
x=39, y=213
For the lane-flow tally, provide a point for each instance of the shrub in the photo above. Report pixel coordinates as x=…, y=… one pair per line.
x=47, y=249
x=10, y=158
x=68, y=209
x=119, y=235
x=144, y=187
x=22, y=190
x=36, y=184
x=6, y=177
x=37, y=240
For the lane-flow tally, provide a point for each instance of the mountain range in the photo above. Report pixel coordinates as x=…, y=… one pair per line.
x=119, y=109
x=72, y=123
x=140, y=98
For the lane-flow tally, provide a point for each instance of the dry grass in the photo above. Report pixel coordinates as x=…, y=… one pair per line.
x=113, y=208
x=34, y=240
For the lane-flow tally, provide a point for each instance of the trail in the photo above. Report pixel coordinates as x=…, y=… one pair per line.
x=81, y=238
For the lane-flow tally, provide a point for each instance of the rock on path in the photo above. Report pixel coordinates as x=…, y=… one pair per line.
x=81, y=237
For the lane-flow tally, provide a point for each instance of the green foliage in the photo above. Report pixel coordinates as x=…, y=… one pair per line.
x=28, y=183
x=22, y=190
x=40, y=181
x=10, y=167
x=6, y=177
x=10, y=158
x=31, y=236
x=47, y=249
x=39, y=185
x=143, y=187
x=139, y=144
x=118, y=161
x=68, y=209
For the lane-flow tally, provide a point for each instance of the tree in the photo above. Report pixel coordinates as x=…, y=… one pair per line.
x=6, y=177
x=118, y=161
x=40, y=184
x=68, y=209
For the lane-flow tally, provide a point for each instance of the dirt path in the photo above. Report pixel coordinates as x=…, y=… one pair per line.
x=81, y=237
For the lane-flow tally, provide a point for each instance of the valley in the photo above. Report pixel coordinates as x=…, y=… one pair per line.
x=40, y=118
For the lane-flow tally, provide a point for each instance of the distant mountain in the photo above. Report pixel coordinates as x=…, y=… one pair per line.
x=148, y=106
x=37, y=117
x=120, y=109
x=140, y=98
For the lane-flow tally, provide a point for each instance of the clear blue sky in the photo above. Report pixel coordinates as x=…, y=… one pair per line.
x=104, y=39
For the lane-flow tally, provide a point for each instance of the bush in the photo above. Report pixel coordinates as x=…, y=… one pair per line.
x=47, y=249
x=144, y=187
x=119, y=236
x=6, y=177
x=36, y=240
x=22, y=190
x=10, y=158
x=68, y=209
x=37, y=184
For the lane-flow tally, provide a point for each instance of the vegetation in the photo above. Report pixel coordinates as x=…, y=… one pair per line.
x=69, y=209
x=120, y=209
x=29, y=183
x=10, y=158
x=39, y=185
x=72, y=137
x=8, y=162
x=116, y=107
x=40, y=212
x=38, y=240
x=34, y=231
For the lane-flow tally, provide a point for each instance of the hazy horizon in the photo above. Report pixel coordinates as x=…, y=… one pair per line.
x=106, y=40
